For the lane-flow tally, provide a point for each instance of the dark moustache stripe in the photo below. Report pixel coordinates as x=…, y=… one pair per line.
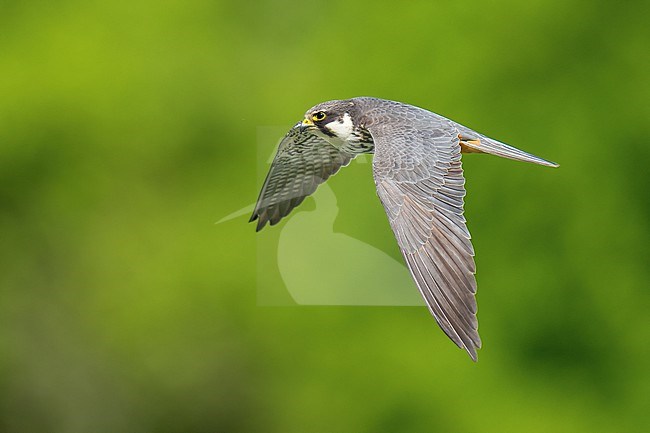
x=325, y=130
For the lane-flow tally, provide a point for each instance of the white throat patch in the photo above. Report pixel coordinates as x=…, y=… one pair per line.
x=343, y=129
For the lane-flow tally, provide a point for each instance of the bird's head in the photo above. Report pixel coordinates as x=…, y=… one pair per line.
x=332, y=120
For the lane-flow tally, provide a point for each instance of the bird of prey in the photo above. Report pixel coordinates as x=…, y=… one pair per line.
x=419, y=179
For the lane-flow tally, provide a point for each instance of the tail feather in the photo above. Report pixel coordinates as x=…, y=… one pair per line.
x=484, y=144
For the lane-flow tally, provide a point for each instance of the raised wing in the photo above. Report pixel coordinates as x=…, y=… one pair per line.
x=420, y=182
x=303, y=162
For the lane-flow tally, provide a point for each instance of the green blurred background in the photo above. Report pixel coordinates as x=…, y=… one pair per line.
x=128, y=128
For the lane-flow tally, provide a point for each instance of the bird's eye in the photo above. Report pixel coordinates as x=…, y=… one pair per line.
x=318, y=116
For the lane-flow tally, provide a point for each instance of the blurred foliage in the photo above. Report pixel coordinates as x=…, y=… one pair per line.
x=128, y=128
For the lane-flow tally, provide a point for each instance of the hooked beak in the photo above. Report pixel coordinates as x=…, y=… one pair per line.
x=306, y=123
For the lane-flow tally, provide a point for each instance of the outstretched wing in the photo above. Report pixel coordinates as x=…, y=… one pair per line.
x=420, y=182
x=303, y=162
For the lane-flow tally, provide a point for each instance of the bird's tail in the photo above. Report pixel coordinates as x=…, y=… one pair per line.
x=482, y=144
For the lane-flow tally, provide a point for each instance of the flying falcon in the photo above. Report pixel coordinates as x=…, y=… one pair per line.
x=419, y=179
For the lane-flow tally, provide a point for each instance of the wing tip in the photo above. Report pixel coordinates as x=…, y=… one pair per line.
x=260, y=224
x=261, y=221
x=471, y=351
